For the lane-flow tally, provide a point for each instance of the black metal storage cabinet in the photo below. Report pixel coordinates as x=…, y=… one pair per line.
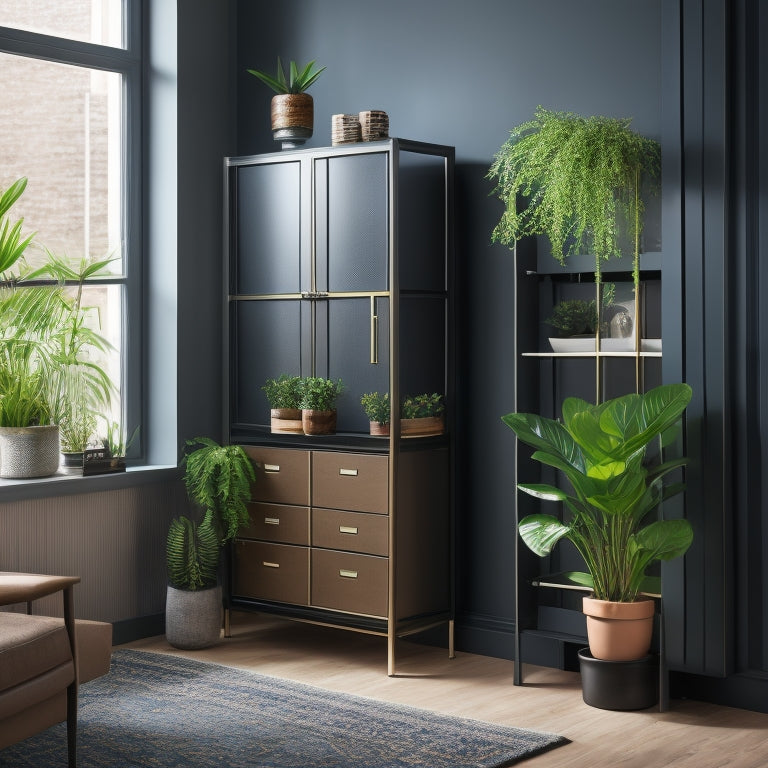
x=339, y=264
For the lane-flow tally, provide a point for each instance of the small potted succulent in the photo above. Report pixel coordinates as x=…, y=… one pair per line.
x=377, y=409
x=318, y=405
x=292, y=110
x=284, y=396
x=422, y=415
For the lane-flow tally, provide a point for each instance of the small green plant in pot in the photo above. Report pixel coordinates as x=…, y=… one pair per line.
x=218, y=482
x=602, y=451
x=422, y=415
x=284, y=397
x=377, y=409
x=318, y=404
x=292, y=110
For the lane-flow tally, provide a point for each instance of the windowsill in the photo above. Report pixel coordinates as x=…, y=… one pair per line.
x=63, y=484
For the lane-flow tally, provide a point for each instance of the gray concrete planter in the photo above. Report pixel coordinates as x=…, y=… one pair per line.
x=27, y=452
x=193, y=618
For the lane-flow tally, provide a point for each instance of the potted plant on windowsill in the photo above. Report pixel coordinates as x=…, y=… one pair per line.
x=218, y=482
x=318, y=405
x=602, y=450
x=284, y=397
x=292, y=110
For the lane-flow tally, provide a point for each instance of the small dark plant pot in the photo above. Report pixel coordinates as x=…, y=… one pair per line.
x=619, y=685
x=318, y=422
x=72, y=460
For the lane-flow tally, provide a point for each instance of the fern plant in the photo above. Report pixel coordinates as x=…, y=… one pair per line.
x=218, y=479
x=581, y=177
x=192, y=553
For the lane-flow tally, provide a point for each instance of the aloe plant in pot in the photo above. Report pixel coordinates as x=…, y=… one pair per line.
x=292, y=110
x=602, y=450
x=218, y=481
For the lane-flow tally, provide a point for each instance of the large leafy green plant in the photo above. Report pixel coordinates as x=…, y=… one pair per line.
x=218, y=480
x=581, y=178
x=601, y=450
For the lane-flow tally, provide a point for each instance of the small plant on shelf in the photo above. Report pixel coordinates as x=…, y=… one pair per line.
x=319, y=394
x=296, y=81
x=574, y=317
x=376, y=407
x=284, y=391
x=422, y=406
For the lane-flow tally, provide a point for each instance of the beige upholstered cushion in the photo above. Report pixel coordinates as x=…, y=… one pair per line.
x=30, y=646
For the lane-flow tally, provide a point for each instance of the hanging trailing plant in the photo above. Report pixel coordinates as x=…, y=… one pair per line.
x=581, y=179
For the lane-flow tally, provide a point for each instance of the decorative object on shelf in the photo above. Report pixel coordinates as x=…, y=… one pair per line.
x=318, y=405
x=345, y=129
x=602, y=451
x=218, y=481
x=377, y=409
x=284, y=396
x=49, y=366
x=374, y=124
x=292, y=110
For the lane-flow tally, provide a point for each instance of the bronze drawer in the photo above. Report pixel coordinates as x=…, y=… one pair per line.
x=282, y=475
x=265, y=571
x=350, y=531
x=353, y=481
x=277, y=522
x=349, y=582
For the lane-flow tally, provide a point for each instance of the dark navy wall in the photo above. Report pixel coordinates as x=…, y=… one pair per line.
x=463, y=74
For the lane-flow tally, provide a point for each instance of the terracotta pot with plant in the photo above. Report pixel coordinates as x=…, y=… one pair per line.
x=422, y=415
x=292, y=110
x=318, y=405
x=284, y=396
x=603, y=452
x=376, y=407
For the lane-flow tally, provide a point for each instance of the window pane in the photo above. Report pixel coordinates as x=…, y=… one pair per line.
x=61, y=129
x=89, y=21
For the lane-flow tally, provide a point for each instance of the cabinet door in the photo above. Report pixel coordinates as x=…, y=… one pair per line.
x=267, y=257
x=352, y=343
x=267, y=338
x=352, y=223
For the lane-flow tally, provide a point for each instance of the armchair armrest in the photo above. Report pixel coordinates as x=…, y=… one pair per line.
x=25, y=587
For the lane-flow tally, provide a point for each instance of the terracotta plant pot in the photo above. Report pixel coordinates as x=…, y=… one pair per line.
x=382, y=430
x=293, y=117
x=318, y=422
x=286, y=420
x=428, y=425
x=619, y=631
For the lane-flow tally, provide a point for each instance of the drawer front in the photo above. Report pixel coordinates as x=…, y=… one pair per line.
x=282, y=475
x=354, y=481
x=277, y=572
x=347, y=582
x=350, y=531
x=277, y=522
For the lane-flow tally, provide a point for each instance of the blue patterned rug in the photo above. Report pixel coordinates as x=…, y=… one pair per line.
x=158, y=711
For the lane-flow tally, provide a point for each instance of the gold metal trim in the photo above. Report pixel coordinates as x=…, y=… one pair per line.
x=267, y=564
x=348, y=529
x=348, y=472
x=374, y=333
x=271, y=467
x=272, y=520
x=347, y=574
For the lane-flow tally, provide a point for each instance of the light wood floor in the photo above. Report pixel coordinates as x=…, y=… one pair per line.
x=691, y=735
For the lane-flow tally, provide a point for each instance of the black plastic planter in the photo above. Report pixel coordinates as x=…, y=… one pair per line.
x=619, y=685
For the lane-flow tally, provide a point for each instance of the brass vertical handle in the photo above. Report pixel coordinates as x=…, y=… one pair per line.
x=374, y=333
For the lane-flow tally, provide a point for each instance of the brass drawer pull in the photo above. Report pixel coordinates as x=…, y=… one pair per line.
x=272, y=521
x=271, y=467
x=347, y=574
x=267, y=564
x=348, y=472
x=348, y=529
